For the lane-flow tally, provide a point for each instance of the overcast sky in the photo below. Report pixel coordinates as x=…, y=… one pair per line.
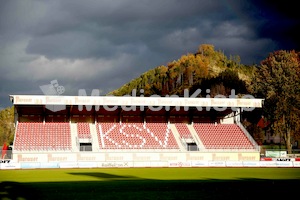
x=103, y=44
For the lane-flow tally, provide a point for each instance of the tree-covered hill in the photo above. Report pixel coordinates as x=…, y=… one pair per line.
x=204, y=69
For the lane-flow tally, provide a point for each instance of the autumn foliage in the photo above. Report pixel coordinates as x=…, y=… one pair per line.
x=205, y=69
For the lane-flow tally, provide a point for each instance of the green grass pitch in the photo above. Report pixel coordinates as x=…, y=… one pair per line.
x=150, y=183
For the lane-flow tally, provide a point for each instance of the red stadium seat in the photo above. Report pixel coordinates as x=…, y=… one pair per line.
x=222, y=136
x=132, y=135
x=38, y=136
x=83, y=130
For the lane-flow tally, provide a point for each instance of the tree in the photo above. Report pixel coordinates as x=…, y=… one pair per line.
x=7, y=128
x=206, y=50
x=278, y=81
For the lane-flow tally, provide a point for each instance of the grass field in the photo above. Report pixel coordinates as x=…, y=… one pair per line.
x=150, y=183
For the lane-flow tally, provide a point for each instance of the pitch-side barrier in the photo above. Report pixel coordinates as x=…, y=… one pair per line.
x=11, y=164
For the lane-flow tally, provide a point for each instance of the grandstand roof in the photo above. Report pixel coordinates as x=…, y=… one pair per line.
x=135, y=101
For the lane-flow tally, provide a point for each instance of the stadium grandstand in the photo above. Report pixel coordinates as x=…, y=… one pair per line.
x=108, y=131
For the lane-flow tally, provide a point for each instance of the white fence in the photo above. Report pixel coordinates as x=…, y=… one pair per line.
x=118, y=159
x=11, y=164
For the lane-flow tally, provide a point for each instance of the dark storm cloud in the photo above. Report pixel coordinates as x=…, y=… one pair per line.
x=274, y=20
x=282, y=25
x=104, y=44
x=78, y=29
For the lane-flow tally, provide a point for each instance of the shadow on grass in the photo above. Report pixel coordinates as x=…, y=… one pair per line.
x=101, y=175
x=136, y=188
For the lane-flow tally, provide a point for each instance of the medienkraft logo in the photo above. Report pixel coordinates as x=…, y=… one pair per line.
x=53, y=89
